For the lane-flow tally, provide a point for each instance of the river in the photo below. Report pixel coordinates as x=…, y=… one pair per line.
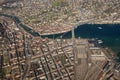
x=108, y=33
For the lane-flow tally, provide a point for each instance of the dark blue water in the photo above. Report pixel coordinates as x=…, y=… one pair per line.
x=110, y=34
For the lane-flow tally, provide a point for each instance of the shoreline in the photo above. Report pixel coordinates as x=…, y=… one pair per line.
x=108, y=22
x=64, y=31
x=54, y=33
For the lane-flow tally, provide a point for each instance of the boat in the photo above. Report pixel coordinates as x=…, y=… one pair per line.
x=100, y=41
x=100, y=28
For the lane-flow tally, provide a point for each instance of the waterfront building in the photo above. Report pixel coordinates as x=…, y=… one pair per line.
x=0, y=9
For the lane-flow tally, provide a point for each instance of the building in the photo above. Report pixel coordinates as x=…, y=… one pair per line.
x=98, y=55
x=0, y=9
x=2, y=29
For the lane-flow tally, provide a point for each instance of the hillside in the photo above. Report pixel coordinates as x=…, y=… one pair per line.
x=63, y=15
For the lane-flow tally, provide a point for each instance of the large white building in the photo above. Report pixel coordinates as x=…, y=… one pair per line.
x=98, y=55
x=0, y=9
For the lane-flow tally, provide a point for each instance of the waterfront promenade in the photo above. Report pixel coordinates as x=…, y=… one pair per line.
x=48, y=30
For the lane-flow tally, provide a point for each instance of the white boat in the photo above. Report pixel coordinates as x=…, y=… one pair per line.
x=100, y=41
x=100, y=28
